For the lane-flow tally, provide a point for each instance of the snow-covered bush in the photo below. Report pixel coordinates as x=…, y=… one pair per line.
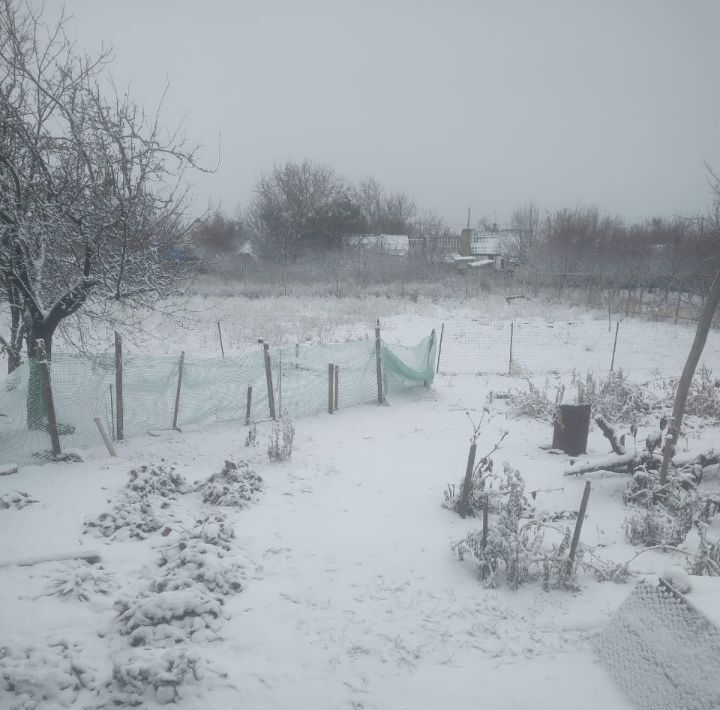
x=15, y=499
x=280, y=442
x=148, y=675
x=236, y=485
x=194, y=563
x=43, y=677
x=661, y=514
x=534, y=402
x=136, y=510
x=171, y=617
x=251, y=438
x=514, y=549
x=707, y=559
x=156, y=480
x=704, y=395
x=81, y=582
x=130, y=520
x=616, y=398
x=214, y=530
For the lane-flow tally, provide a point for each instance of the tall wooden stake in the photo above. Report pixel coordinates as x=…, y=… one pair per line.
x=442, y=332
x=336, y=388
x=612, y=362
x=112, y=413
x=679, y=299
x=467, y=482
x=42, y=361
x=269, y=381
x=578, y=526
x=120, y=414
x=378, y=362
x=248, y=404
x=486, y=510
x=512, y=335
x=331, y=382
x=177, y=392
x=105, y=437
x=222, y=349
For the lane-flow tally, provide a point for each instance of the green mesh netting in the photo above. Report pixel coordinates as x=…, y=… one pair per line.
x=213, y=390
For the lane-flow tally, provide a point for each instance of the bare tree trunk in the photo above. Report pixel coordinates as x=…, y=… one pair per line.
x=706, y=318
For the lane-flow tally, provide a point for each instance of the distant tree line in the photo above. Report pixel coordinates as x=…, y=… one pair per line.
x=298, y=208
x=583, y=241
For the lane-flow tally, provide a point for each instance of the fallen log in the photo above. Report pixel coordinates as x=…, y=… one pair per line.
x=609, y=463
x=610, y=435
x=628, y=462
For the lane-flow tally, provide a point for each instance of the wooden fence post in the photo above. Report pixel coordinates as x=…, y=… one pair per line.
x=269, y=381
x=467, y=482
x=486, y=510
x=52, y=426
x=612, y=362
x=336, y=388
x=247, y=405
x=120, y=412
x=105, y=437
x=679, y=298
x=378, y=362
x=222, y=349
x=179, y=387
x=578, y=527
x=331, y=394
x=112, y=413
x=512, y=335
x=442, y=332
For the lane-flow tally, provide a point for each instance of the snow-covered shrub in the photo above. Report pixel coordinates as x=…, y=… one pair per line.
x=170, y=617
x=156, y=480
x=661, y=514
x=235, y=485
x=251, y=438
x=704, y=395
x=534, y=402
x=81, y=583
x=616, y=398
x=514, y=549
x=135, y=513
x=280, y=442
x=194, y=563
x=214, y=530
x=15, y=499
x=129, y=520
x=707, y=559
x=43, y=677
x=148, y=675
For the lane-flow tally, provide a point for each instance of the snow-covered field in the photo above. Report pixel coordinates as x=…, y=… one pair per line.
x=351, y=595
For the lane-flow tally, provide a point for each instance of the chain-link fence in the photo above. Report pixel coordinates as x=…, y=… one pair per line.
x=525, y=348
x=211, y=390
x=662, y=652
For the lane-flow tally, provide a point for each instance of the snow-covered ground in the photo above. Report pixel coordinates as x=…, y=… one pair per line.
x=352, y=597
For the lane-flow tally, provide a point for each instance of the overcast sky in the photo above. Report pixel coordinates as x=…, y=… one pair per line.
x=482, y=103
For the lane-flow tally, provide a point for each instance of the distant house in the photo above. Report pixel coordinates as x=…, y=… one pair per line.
x=488, y=247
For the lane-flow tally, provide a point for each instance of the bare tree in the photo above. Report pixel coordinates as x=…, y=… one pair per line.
x=91, y=187
x=383, y=212
x=526, y=224
x=298, y=204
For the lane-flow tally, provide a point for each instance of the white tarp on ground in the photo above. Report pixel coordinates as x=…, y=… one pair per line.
x=662, y=651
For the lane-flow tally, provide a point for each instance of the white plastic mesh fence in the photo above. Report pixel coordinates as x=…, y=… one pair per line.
x=662, y=652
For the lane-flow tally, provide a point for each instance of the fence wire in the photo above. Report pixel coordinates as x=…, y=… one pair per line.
x=526, y=348
x=212, y=390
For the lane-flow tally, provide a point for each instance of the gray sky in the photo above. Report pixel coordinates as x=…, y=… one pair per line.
x=488, y=103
